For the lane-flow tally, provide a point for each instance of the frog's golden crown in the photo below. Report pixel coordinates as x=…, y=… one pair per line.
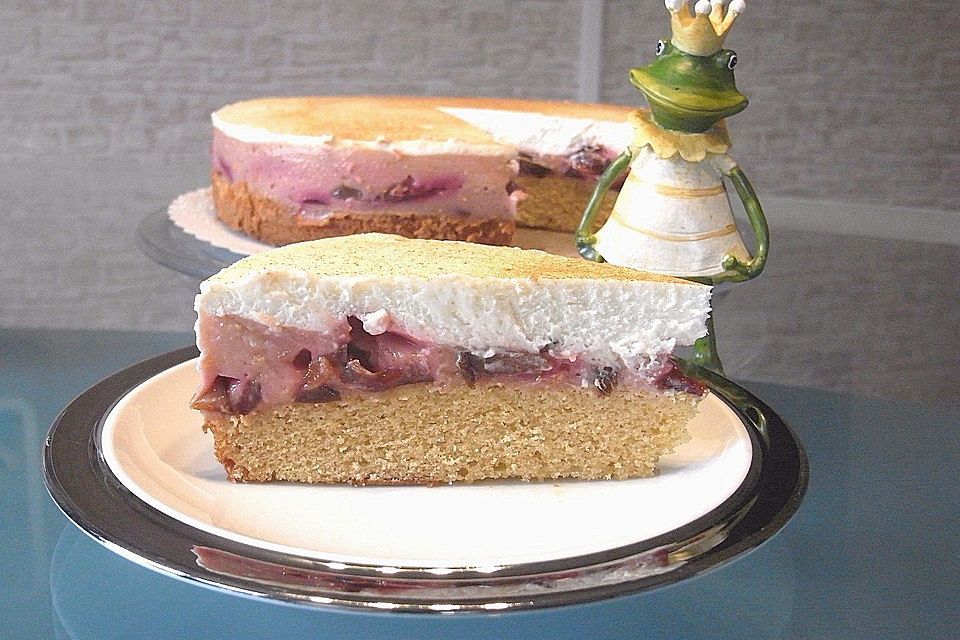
x=701, y=32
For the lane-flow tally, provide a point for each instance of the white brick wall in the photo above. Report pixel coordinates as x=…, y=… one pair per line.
x=845, y=104
x=140, y=78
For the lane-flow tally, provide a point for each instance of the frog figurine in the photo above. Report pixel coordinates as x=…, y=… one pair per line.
x=672, y=215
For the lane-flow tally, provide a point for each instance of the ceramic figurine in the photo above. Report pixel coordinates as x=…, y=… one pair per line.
x=672, y=215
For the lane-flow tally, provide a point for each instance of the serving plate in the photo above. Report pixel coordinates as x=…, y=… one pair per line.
x=128, y=464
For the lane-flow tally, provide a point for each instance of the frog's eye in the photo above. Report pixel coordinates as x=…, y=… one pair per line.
x=732, y=61
x=661, y=45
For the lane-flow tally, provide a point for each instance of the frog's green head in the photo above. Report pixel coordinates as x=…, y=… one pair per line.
x=690, y=86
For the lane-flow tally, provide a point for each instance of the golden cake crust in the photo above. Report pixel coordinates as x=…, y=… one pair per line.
x=395, y=118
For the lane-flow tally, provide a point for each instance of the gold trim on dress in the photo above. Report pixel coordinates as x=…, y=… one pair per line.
x=676, y=237
x=679, y=192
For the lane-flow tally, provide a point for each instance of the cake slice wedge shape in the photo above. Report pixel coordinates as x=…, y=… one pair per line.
x=375, y=359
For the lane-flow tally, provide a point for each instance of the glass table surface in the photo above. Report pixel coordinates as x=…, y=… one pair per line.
x=874, y=551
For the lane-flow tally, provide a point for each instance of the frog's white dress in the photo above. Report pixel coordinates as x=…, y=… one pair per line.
x=673, y=215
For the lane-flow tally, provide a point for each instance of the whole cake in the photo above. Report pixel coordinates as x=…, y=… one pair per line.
x=376, y=359
x=291, y=169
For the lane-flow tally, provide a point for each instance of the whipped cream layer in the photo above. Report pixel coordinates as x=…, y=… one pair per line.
x=546, y=136
x=247, y=366
x=321, y=179
x=597, y=319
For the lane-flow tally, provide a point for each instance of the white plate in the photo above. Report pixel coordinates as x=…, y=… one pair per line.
x=153, y=443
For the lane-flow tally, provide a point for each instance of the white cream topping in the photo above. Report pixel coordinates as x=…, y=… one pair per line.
x=543, y=134
x=599, y=320
x=528, y=132
x=258, y=135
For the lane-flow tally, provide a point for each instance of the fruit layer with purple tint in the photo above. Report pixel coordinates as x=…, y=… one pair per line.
x=320, y=180
x=246, y=366
x=585, y=163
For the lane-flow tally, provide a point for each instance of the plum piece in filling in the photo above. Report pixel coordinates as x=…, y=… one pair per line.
x=586, y=162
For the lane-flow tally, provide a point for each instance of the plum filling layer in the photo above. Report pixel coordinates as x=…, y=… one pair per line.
x=409, y=189
x=246, y=366
x=585, y=163
x=319, y=181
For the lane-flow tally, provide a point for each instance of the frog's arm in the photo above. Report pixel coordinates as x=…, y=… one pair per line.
x=585, y=237
x=737, y=270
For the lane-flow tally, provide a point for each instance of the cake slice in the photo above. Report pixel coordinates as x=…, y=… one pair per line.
x=374, y=359
x=297, y=168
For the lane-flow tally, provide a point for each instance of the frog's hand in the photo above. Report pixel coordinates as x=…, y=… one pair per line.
x=736, y=269
x=585, y=237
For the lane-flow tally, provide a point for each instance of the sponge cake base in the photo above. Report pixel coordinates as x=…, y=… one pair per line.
x=556, y=203
x=428, y=434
